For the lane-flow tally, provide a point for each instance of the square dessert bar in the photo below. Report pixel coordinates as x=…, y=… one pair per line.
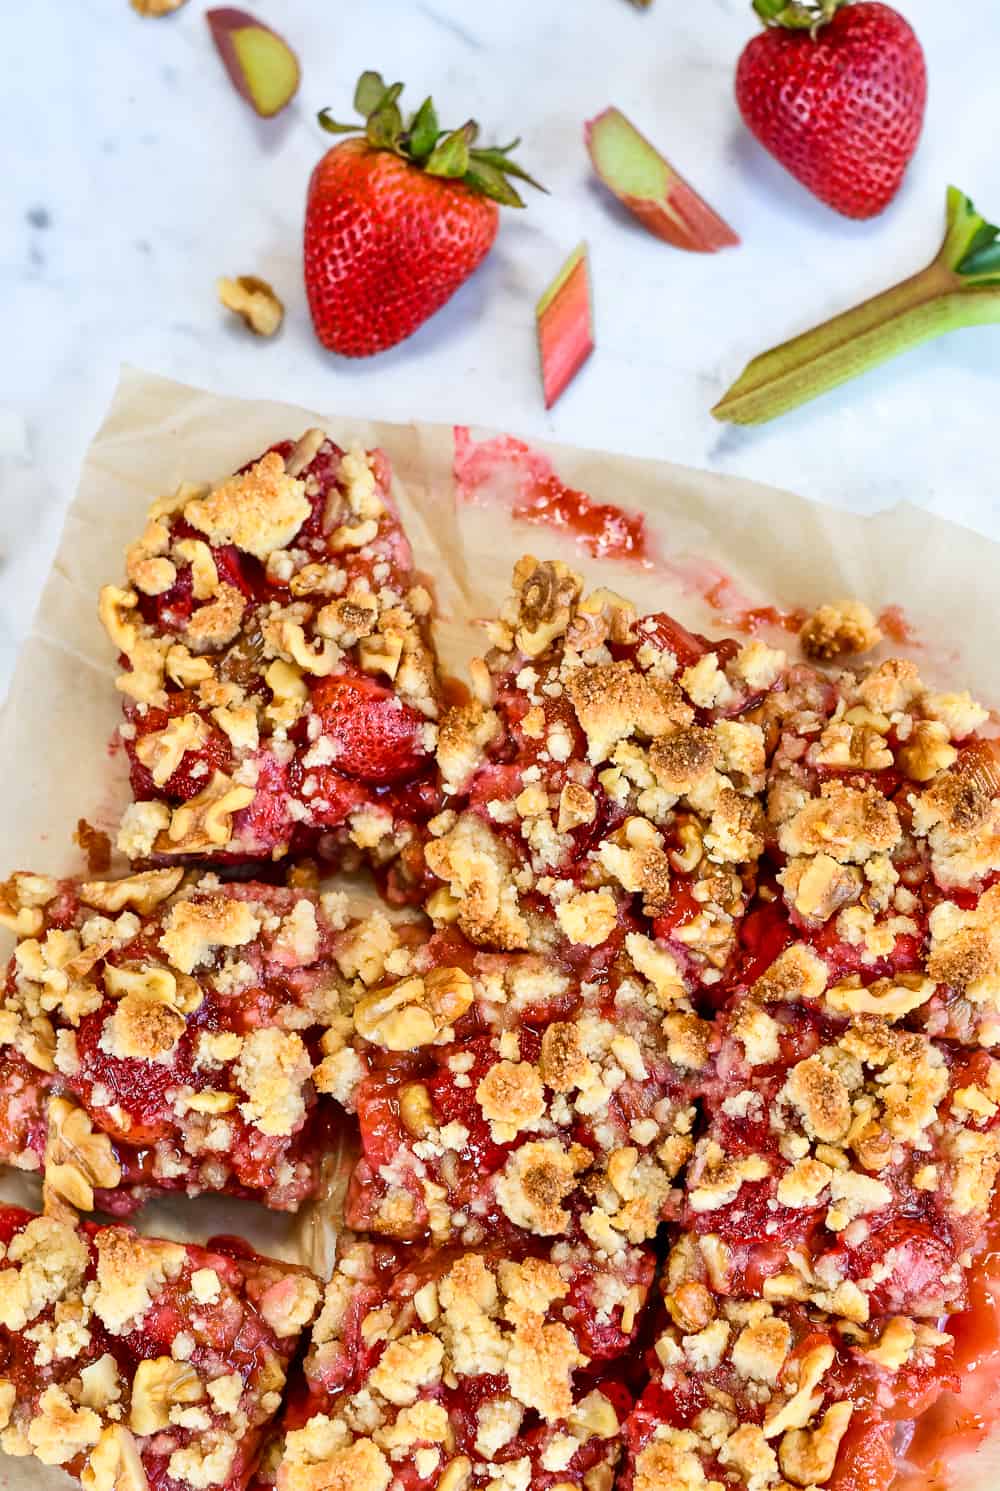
x=136, y=1364
x=280, y=688
x=501, y=1096
x=465, y=1369
x=159, y=1033
x=606, y=771
x=759, y=1397
x=851, y=1165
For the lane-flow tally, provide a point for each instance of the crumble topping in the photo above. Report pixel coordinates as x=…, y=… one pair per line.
x=844, y=627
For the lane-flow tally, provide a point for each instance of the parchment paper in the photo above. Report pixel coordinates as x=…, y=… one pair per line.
x=775, y=548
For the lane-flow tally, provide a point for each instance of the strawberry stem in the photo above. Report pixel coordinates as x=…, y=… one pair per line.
x=452, y=154
x=959, y=288
x=797, y=15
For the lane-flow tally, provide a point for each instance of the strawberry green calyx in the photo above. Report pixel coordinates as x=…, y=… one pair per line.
x=797, y=15
x=959, y=288
x=451, y=154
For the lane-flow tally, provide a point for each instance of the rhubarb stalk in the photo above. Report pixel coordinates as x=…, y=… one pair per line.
x=960, y=287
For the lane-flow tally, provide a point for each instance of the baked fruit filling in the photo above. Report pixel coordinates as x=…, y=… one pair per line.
x=134, y=1363
x=160, y=1033
x=279, y=686
x=466, y=1369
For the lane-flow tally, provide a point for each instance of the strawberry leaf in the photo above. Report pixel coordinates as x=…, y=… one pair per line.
x=450, y=158
x=496, y=155
x=385, y=126
x=448, y=154
x=424, y=131
x=491, y=181
x=369, y=93
x=331, y=125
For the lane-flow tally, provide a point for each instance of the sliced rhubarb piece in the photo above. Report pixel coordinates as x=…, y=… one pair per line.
x=565, y=325
x=261, y=65
x=650, y=188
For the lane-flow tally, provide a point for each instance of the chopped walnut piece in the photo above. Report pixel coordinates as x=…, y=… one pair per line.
x=545, y=595
x=114, y=1463
x=142, y=893
x=204, y=822
x=156, y=8
x=808, y=1457
x=254, y=301
x=160, y=1383
x=76, y=1160
x=415, y=1011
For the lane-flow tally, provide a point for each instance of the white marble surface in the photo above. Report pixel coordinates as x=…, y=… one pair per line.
x=134, y=176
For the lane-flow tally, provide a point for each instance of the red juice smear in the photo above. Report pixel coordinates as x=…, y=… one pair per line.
x=536, y=495
x=754, y=619
x=961, y=1422
x=896, y=626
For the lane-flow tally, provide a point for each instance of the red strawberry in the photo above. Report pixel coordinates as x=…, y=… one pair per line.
x=397, y=220
x=377, y=738
x=836, y=92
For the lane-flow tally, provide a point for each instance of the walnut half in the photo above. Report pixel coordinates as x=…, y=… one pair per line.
x=254, y=301
x=160, y=1384
x=76, y=1160
x=114, y=1463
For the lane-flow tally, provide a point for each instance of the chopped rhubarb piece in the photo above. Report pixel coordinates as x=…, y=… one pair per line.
x=177, y=1046
x=261, y=65
x=280, y=674
x=565, y=320
x=132, y=1363
x=651, y=189
x=446, y=1368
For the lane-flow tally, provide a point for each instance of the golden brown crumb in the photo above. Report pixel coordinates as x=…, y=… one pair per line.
x=95, y=845
x=843, y=627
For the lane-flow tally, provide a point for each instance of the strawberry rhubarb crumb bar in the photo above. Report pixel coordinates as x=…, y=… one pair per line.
x=159, y=1033
x=607, y=772
x=463, y=1369
x=137, y=1364
x=498, y=1095
x=752, y=1396
x=279, y=685
x=850, y=1165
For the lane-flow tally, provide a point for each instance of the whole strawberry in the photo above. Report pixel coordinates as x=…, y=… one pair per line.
x=836, y=92
x=397, y=219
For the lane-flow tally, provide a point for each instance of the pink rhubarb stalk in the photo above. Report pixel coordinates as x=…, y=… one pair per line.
x=650, y=188
x=565, y=325
x=960, y=287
